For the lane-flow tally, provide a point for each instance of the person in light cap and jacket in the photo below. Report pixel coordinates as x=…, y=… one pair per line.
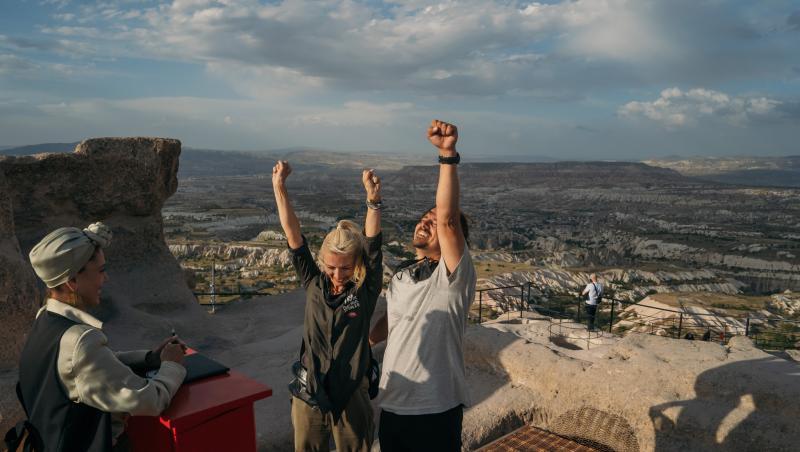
x=75, y=390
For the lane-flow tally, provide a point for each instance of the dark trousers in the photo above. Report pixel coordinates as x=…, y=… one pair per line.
x=440, y=432
x=591, y=310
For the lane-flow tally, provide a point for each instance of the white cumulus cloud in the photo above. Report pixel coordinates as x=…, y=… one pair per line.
x=676, y=108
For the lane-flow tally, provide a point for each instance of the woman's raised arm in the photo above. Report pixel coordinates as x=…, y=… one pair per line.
x=289, y=221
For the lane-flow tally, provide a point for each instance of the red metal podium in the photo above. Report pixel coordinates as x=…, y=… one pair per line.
x=213, y=414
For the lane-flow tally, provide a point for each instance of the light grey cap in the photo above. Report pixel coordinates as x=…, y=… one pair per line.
x=61, y=254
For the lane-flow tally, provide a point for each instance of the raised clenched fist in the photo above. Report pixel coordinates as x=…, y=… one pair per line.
x=372, y=184
x=443, y=136
x=280, y=172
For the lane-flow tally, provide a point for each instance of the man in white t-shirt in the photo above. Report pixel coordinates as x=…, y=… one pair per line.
x=423, y=382
x=595, y=291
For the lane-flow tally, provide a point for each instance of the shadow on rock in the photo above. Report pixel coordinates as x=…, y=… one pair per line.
x=743, y=406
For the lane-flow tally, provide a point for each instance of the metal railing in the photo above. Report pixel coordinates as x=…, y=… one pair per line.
x=521, y=302
x=766, y=333
x=215, y=292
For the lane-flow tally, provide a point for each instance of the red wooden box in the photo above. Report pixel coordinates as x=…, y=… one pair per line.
x=213, y=414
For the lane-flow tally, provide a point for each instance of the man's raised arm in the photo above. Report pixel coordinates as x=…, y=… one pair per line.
x=448, y=212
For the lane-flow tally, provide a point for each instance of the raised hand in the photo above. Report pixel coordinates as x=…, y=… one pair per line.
x=372, y=184
x=443, y=136
x=280, y=172
x=289, y=221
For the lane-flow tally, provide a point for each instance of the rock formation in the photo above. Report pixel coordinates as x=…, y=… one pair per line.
x=19, y=295
x=627, y=284
x=787, y=303
x=123, y=182
x=664, y=394
x=240, y=256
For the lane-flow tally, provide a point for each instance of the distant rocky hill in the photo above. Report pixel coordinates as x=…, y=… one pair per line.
x=566, y=214
x=212, y=162
x=38, y=148
x=756, y=171
x=554, y=175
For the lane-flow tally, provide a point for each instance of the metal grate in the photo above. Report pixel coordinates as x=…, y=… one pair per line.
x=603, y=430
x=530, y=438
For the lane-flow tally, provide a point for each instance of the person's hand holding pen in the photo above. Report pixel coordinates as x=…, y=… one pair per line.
x=171, y=349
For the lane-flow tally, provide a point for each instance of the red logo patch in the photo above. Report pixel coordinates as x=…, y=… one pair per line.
x=352, y=314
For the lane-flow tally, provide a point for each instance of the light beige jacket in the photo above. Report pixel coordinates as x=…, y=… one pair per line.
x=95, y=375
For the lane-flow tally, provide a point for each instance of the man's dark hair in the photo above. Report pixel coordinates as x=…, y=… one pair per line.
x=463, y=220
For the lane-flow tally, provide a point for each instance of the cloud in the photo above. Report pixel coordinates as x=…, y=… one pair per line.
x=58, y=4
x=83, y=32
x=264, y=82
x=65, y=17
x=63, y=47
x=355, y=114
x=20, y=67
x=318, y=72
x=14, y=65
x=675, y=108
x=558, y=51
x=214, y=121
x=793, y=21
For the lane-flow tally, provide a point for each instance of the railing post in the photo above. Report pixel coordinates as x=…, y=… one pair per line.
x=747, y=327
x=579, y=310
x=480, y=307
x=521, y=298
x=611, y=318
x=213, y=287
x=680, y=325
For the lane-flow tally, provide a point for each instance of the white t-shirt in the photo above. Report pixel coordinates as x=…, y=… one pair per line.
x=423, y=366
x=593, y=292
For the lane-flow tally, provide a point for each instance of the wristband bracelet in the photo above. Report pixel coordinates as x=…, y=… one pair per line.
x=454, y=160
x=378, y=205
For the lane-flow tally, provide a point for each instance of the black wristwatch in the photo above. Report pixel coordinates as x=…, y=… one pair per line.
x=454, y=160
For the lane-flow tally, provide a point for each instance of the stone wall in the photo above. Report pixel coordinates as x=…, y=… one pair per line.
x=19, y=294
x=643, y=392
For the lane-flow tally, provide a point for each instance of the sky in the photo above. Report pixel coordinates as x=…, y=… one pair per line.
x=579, y=79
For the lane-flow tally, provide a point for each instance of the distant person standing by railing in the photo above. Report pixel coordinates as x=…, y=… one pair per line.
x=595, y=291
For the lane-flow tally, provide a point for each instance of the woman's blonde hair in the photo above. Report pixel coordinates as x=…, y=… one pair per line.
x=347, y=240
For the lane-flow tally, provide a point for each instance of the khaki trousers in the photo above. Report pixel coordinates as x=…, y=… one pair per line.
x=353, y=432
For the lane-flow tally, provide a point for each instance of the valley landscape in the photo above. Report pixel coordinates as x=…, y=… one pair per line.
x=646, y=229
